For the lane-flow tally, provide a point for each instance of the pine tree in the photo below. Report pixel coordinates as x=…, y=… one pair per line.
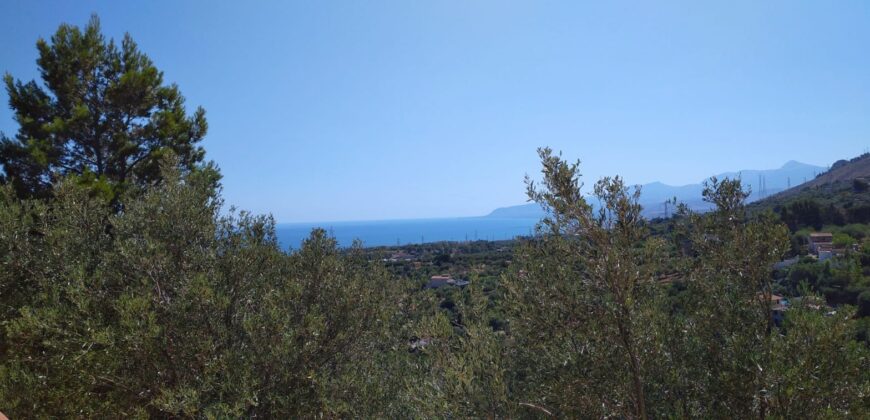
x=102, y=113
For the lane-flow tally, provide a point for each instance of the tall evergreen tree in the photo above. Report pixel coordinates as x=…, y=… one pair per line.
x=102, y=113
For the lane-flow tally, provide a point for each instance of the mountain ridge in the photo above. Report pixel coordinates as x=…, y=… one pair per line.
x=841, y=170
x=761, y=183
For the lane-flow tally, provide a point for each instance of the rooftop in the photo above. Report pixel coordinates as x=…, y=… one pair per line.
x=821, y=235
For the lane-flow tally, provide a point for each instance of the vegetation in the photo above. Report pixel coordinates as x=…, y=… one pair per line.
x=102, y=115
x=615, y=340
x=111, y=307
x=131, y=312
x=838, y=203
x=842, y=208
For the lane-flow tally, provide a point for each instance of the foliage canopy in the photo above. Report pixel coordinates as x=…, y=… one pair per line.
x=102, y=113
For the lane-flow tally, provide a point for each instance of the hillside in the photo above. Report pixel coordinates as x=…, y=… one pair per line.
x=847, y=196
x=841, y=171
x=837, y=197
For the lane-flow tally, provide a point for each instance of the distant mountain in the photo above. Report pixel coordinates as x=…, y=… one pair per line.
x=844, y=188
x=762, y=183
x=765, y=183
x=522, y=211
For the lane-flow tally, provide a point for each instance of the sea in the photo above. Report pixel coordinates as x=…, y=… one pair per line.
x=411, y=231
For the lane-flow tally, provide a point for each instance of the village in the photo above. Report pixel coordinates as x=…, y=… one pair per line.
x=449, y=265
x=820, y=248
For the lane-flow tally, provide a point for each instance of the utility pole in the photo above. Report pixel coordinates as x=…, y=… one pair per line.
x=760, y=188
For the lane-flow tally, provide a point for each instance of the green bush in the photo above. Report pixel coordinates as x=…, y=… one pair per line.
x=135, y=313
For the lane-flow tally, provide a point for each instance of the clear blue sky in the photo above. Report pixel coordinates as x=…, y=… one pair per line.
x=347, y=110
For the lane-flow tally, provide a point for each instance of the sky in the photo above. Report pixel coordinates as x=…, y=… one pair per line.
x=351, y=110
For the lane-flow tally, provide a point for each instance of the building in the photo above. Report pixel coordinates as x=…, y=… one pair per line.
x=819, y=239
x=825, y=253
x=777, y=300
x=778, y=307
x=811, y=302
x=419, y=344
x=399, y=256
x=436, y=282
x=778, y=314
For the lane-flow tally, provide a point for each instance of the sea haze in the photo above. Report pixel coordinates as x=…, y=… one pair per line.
x=413, y=231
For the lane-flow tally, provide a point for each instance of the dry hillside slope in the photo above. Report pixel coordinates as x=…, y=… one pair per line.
x=843, y=170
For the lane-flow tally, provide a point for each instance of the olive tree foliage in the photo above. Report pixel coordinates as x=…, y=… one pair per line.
x=581, y=300
x=722, y=337
x=817, y=368
x=101, y=113
x=607, y=321
x=461, y=370
x=170, y=309
x=167, y=307
x=732, y=357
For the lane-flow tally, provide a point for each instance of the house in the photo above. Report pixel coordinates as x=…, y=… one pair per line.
x=437, y=282
x=778, y=306
x=825, y=254
x=777, y=300
x=709, y=237
x=778, y=313
x=818, y=239
x=826, y=251
x=811, y=302
x=400, y=256
x=419, y=344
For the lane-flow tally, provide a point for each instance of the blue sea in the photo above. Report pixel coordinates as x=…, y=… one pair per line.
x=415, y=231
